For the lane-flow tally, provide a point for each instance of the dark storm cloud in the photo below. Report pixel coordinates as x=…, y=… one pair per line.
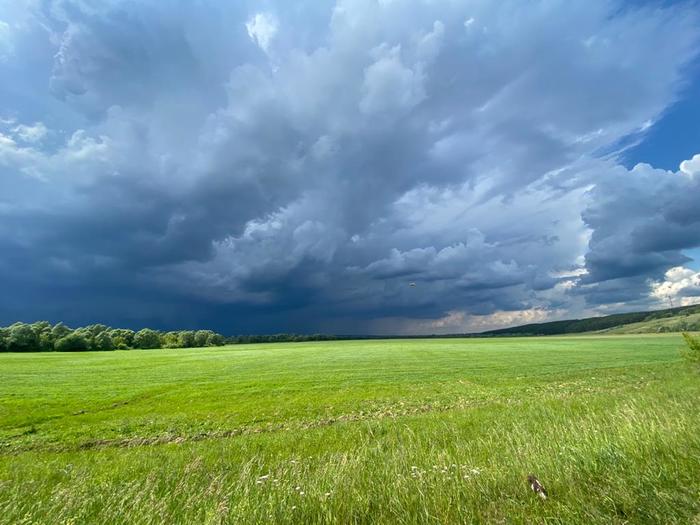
x=640, y=221
x=258, y=165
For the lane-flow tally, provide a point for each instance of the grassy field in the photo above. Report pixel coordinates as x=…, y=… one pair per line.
x=678, y=323
x=400, y=431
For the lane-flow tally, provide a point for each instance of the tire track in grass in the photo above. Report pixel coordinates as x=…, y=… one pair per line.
x=392, y=411
x=30, y=427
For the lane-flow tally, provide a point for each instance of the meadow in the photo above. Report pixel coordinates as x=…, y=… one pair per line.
x=676, y=323
x=380, y=431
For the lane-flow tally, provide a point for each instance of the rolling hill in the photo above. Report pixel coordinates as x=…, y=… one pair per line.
x=685, y=318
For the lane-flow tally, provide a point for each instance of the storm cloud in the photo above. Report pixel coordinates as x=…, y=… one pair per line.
x=277, y=166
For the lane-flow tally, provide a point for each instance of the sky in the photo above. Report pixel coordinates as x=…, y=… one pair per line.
x=348, y=166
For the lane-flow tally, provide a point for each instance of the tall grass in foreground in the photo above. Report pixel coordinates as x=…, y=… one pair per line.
x=692, y=353
x=614, y=437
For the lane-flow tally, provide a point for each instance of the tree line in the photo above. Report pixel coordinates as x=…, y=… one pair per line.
x=42, y=336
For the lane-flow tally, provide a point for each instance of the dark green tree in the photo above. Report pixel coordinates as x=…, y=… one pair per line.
x=73, y=342
x=122, y=338
x=170, y=340
x=103, y=341
x=22, y=338
x=215, y=339
x=147, y=338
x=96, y=329
x=186, y=339
x=4, y=335
x=201, y=337
x=60, y=330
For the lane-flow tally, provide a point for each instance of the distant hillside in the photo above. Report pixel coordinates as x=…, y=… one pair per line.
x=685, y=318
x=684, y=322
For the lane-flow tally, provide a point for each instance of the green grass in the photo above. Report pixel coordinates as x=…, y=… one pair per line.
x=400, y=431
x=688, y=322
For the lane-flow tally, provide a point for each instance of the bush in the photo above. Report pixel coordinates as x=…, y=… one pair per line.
x=74, y=342
x=692, y=353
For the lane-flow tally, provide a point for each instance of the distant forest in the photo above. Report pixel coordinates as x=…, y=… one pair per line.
x=42, y=336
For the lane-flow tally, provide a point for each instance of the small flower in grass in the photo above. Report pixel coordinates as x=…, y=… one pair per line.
x=415, y=471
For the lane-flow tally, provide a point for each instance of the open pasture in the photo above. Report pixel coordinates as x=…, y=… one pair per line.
x=376, y=431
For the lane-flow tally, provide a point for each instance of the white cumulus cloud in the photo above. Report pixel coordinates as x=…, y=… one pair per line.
x=680, y=287
x=262, y=28
x=31, y=133
x=691, y=167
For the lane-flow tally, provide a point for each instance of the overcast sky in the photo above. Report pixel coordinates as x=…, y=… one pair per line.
x=276, y=166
